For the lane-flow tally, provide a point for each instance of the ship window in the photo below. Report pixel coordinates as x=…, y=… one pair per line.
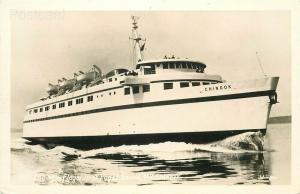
x=79, y=100
x=184, y=84
x=110, y=93
x=41, y=109
x=199, y=69
x=114, y=92
x=116, y=79
x=70, y=103
x=172, y=66
x=189, y=66
x=195, y=83
x=165, y=65
x=184, y=65
x=61, y=105
x=90, y=98
x=193, y=66
x=54, y=106
x=206, y=83
x=110, y=79
x=178, y=66
x=35, y=111
x=135, y=89
x=126, y=91
x=146, y=88
x=47, y=108
x=168, y=86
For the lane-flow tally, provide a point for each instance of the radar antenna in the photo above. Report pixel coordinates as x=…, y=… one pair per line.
x=138, y=46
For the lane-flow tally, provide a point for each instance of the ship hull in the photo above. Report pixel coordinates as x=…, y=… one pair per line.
x=195, y=120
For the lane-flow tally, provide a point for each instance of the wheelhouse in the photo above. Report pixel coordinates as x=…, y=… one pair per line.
x=151, y=67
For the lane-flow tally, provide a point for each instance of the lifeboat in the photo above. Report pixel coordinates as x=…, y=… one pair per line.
x=76, y=87
x=88, y=77
x=66, y=84
x=52, y=89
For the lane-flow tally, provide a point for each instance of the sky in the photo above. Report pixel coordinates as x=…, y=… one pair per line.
x=47, y=46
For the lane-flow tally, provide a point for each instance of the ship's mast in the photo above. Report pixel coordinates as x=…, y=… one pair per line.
x=137, y=45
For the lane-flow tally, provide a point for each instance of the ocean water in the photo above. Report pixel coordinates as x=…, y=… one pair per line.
x=247, y=158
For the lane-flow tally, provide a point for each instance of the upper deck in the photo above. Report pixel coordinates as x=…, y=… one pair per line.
x=148, y=72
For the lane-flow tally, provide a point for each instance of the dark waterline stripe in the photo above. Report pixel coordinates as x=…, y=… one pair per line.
x=160, y=103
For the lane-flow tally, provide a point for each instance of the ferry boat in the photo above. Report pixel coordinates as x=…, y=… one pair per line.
x=168, y=99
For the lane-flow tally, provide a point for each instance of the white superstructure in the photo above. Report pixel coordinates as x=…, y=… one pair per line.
x=160, y=98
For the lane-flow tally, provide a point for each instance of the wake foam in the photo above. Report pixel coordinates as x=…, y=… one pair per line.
x=249, y=141
x=245, y=142
x=242, y=143
x=21, y=145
